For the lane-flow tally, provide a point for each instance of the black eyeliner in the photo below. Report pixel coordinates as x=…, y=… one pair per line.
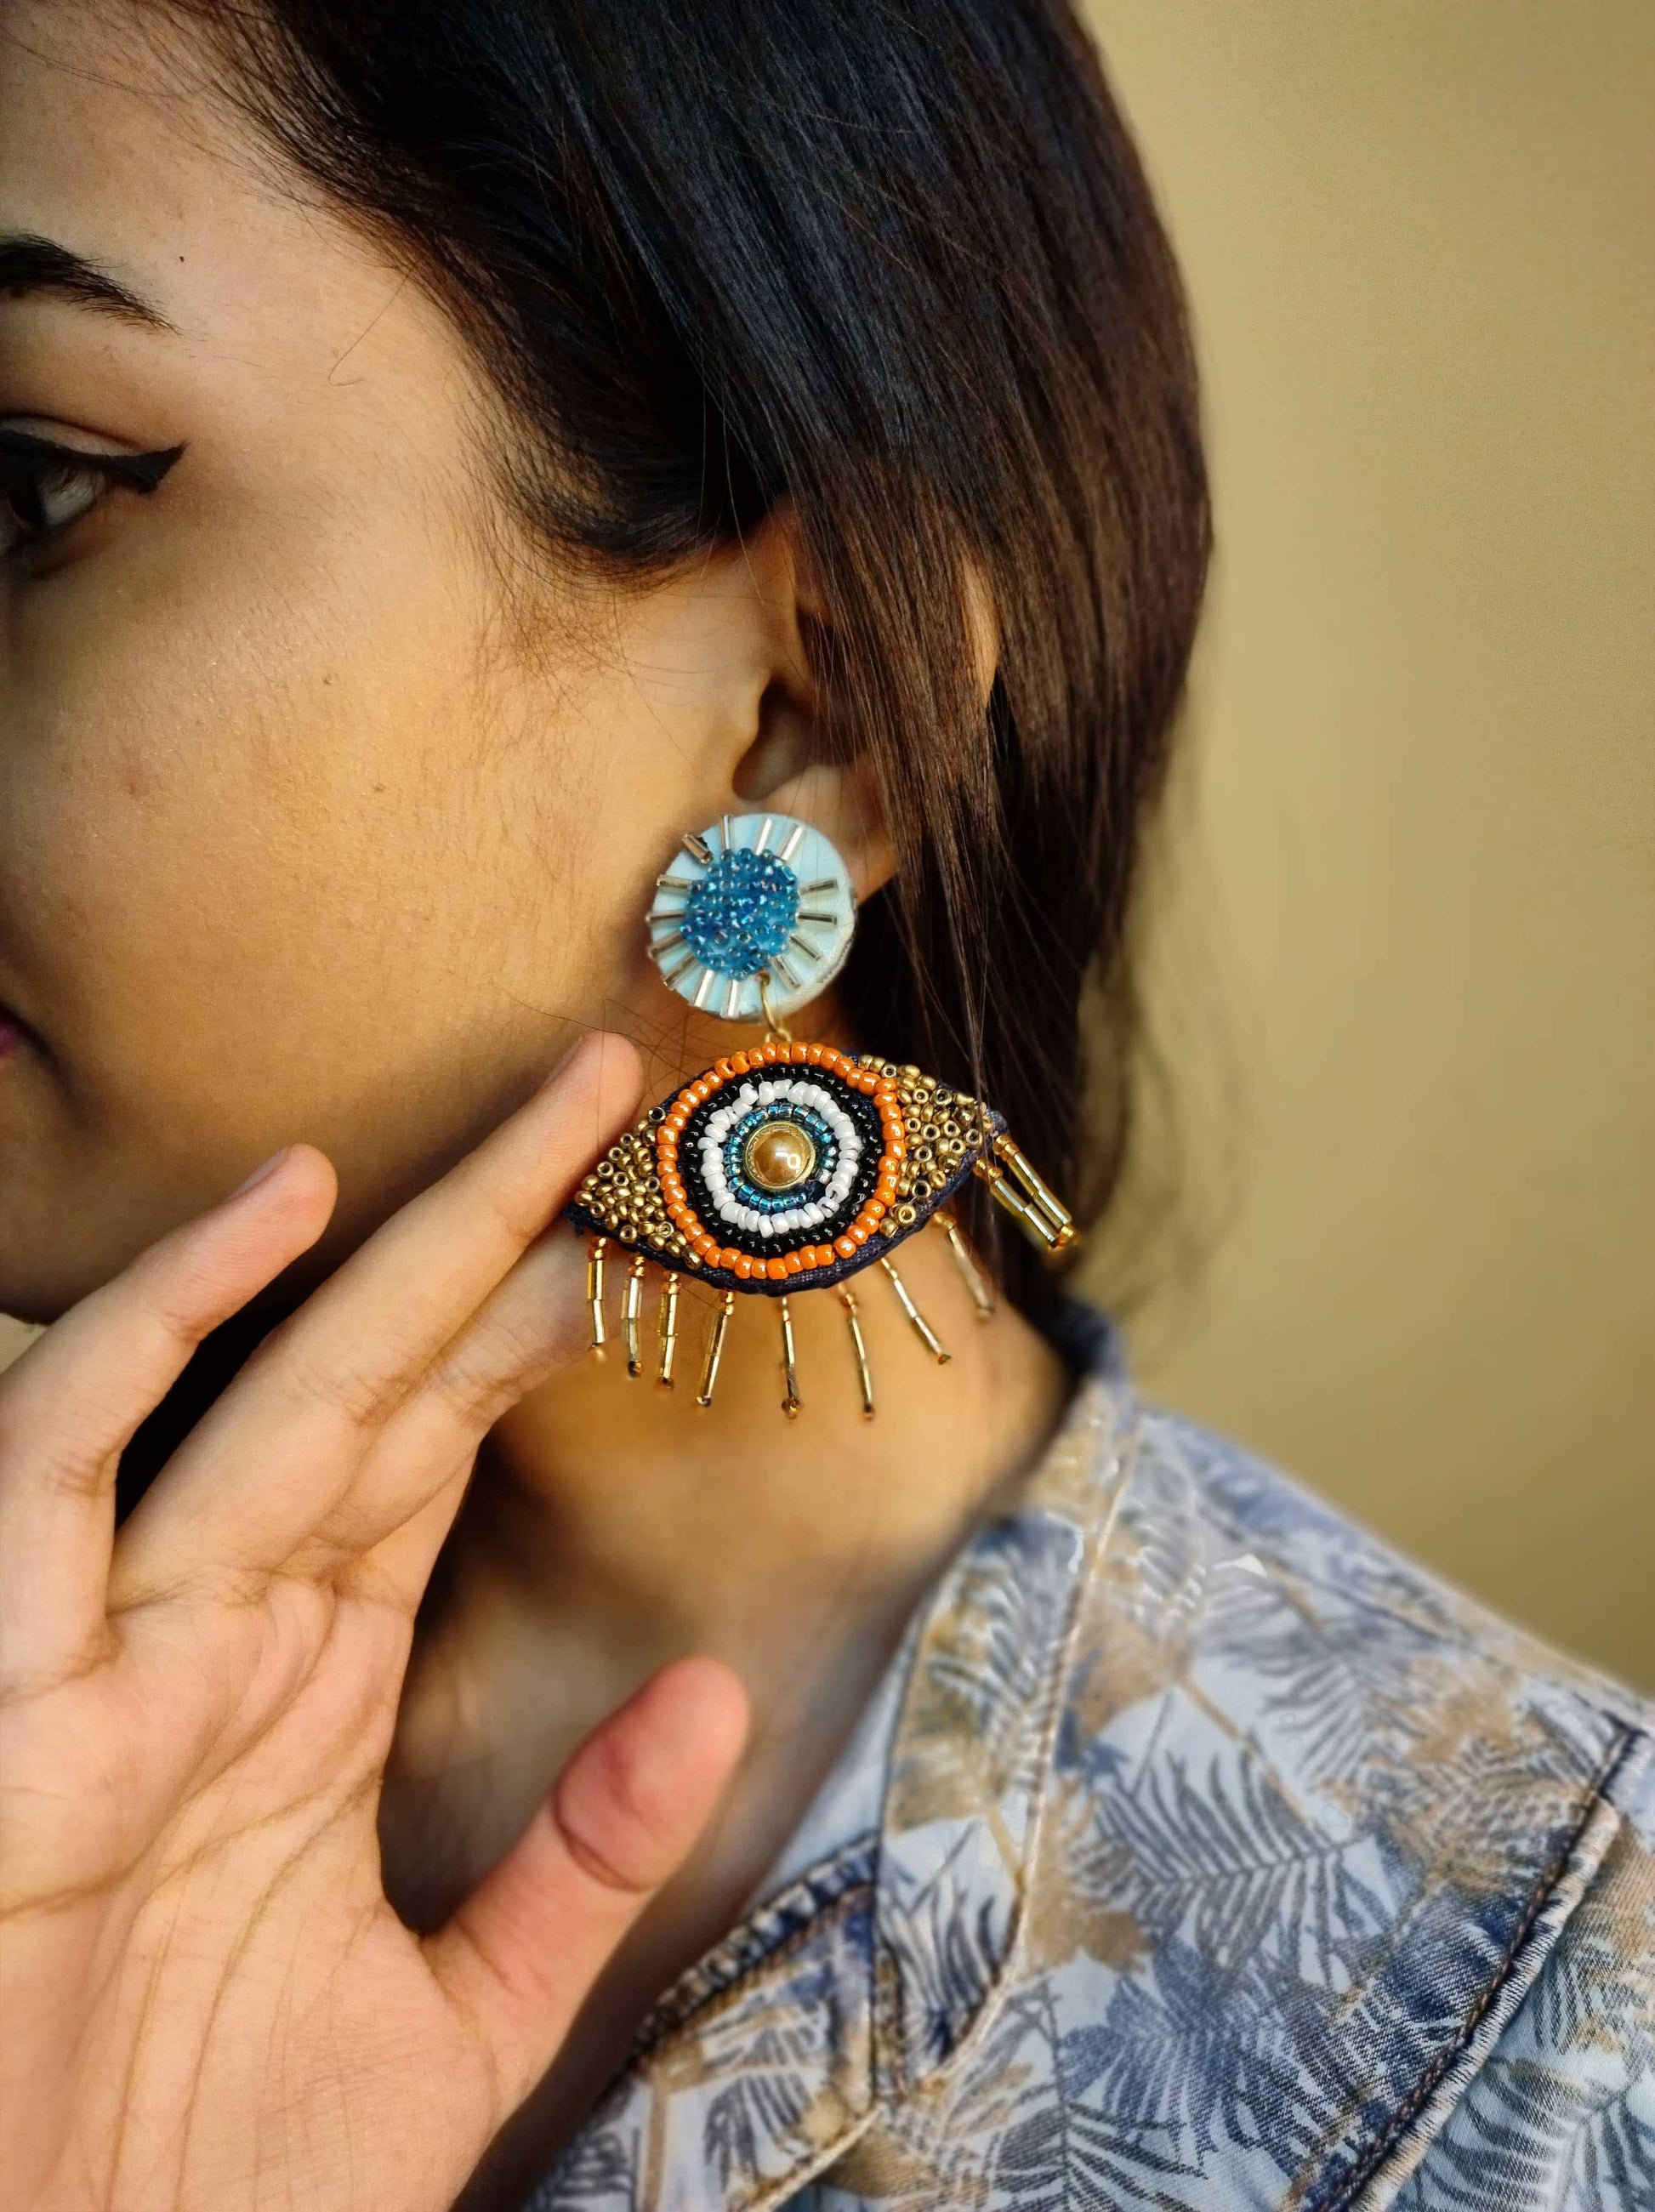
x=141, y=471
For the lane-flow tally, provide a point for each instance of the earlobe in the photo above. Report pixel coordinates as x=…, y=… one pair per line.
x=841, y=800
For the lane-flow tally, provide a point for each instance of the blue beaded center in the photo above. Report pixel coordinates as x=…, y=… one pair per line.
x=740, y=914
x=779, y=1202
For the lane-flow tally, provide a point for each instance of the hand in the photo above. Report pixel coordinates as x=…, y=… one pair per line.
x=205, y=1999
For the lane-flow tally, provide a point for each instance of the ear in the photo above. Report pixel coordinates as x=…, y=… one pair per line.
x=796, y=763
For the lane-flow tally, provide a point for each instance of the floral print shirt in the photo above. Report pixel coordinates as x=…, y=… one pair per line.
x=1201, y=1853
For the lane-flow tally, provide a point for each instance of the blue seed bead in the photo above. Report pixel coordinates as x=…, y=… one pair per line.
x=740, y=915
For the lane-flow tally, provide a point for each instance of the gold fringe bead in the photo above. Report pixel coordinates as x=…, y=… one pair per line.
x=1027, y=1216
x=669, y=1329
x=629, y=1311
x=848, y=1301
x=714, y=1351
x=922, y=1328
x=594, y=1294
x=789, y=1368
x=1049, y=1205
x=971, y=1274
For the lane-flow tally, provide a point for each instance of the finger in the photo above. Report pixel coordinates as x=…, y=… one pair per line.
x=70, y=1403
x=397, y=1568
x=535, y=1323
x=277, y=1454
x=518, y=1957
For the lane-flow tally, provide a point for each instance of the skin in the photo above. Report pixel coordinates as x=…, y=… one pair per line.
x=329, y=807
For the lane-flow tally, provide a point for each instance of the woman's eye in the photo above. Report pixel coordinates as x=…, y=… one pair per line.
x=36, y=499
x=46, y=486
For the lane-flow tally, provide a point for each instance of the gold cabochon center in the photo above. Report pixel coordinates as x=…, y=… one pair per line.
x=779, y=1156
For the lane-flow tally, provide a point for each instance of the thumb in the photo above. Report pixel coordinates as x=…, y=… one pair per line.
x=518, y=1956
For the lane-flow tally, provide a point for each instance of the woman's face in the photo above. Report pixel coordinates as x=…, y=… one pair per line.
x=304, y=832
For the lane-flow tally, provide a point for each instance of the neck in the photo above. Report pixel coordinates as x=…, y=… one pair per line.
x=614, y=1525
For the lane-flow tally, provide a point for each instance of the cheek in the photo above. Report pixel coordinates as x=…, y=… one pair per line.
x=250, y=810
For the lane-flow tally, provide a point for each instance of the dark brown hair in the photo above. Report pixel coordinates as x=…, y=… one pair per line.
x=899, y=264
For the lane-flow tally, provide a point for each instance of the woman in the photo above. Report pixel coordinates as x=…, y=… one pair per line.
x=451, y=455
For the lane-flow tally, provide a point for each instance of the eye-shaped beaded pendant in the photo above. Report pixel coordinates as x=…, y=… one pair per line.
x=786, y=1167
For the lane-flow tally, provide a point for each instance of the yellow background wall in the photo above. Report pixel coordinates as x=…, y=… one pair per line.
x=1403, y=958
x=1411, y=912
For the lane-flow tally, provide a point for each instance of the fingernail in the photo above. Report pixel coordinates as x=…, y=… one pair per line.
x=259, y=1174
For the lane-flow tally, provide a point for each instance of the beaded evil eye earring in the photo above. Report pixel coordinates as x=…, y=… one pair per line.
x=786, y=1167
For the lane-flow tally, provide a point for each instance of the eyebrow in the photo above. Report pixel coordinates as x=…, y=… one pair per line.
x=30, y=266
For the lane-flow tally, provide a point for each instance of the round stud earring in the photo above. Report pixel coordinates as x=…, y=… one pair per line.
x=753, y=917
x=788, y=1166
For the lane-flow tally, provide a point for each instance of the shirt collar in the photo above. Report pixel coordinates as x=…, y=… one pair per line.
x=974, y=1743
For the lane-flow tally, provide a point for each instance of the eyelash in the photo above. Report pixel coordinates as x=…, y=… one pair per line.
x=33, y=469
